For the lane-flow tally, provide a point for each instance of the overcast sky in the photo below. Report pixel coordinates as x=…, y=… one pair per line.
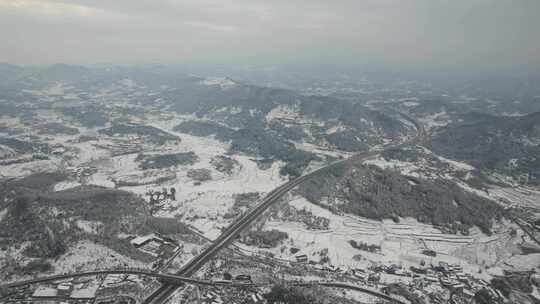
x=417, y=33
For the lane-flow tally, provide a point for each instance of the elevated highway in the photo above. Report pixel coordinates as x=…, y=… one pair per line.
x=177, y=280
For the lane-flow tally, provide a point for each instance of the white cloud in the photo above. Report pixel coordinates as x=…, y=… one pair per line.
x=36, y=7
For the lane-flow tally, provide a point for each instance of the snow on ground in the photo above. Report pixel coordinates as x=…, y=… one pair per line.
x=86, y=255
x=27, y=168
x=58, y=138
x=283, y=112
x=11, y=122
x=64, y=185
x=458, y=166
x=422, y=168
x=48, y=115
x=188, y=252
x=56, y=90
x=100, y=179
x=210, y=200
x=407, y=123
x=229, y=110
x=128, y=82
x=520, y=196
x=507, y=196
x=320, y=150
x=360, y=297
x=45, y=291
x=405, y=168
x=85, y=291
x=435, y=120
x=89, y=226
x=6, y=152
x=524, y=262
x=3, y=213
x=410, y=104
x=222, y=82
x=337, y=128
x=401, y=243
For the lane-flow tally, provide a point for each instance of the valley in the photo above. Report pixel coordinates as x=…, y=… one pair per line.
x=150, y=168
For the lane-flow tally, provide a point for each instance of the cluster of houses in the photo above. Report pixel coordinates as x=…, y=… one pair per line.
x=445, y=275
x=79, y=290
x=155, y=245
x=82, y=171
x=312, y=221
x=93, y=289
x=239, y=295
x=121, y=146
x=452, y=278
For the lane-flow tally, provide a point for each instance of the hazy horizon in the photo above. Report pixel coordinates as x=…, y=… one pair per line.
x=472, y=35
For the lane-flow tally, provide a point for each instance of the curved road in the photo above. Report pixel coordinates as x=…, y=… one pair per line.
x=353, y=287
x=234, y=230
x=161, y=294
x=174, y=279
x=166, y=290
x=167, y=277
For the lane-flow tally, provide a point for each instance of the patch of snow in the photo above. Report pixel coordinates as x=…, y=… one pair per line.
x=44, y=291
x=55, y=90
x=406, y=99
x=87, y=255
x=513, y=114
x=127, y=82
x=222, y=82
x=86, y=291
x=283, y=112
x=439, y=119
x=405, y=168
x=3, y=213
x=143, y=239
x=92, y=227
x=320, y=150
x=30, y=167
x=410, y=104
x=401, y=243
x=459, y=166
x=6, y=152
x=519, y=196
x=524, y=262
x=100, y=179
x=64, y=185
x=337, y=128
x=229, y=110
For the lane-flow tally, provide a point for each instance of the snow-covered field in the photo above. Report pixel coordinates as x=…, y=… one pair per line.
x=204, y=204
x=212, y=199
x=519, y=196
x=87, y=255
x=437, y=167
x=436, y=120
x=401, y=243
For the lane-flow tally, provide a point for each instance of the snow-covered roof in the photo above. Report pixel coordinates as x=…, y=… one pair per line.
x=140, y=240
x=45, y=292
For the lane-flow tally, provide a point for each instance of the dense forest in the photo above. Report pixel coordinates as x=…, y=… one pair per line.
x=508, y=145
x=377, y=193
x=46, y=222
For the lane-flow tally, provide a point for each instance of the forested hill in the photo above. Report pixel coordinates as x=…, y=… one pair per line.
x=508, y=145
x=376, y=193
